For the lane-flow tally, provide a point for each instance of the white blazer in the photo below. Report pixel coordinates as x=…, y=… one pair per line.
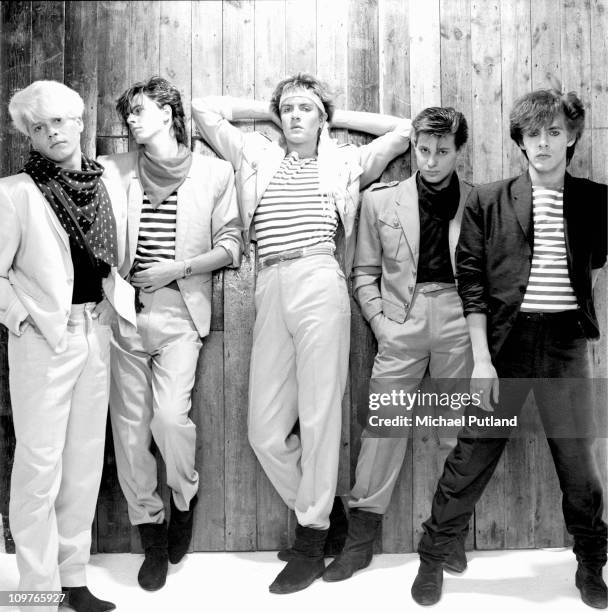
x=36, y=270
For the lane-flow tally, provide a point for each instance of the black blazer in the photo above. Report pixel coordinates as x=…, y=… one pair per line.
x=494, y=252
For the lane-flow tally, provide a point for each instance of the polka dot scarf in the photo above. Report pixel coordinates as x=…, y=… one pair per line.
x=81, y=202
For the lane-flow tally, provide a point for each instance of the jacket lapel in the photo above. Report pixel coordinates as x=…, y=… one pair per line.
x=56, y=223
x=409, y=215
x=521, y=197
x=454, y=226
x=135, y=196
x=268, y=169
x=185, y=193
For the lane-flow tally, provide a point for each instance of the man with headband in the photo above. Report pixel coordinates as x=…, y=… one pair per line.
x=60, y=243
x=298, y=199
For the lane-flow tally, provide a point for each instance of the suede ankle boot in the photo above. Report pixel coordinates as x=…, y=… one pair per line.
x=153, y=572
x=427, y=586
x=336, y=535
x=180, y=530
x=359, y=547
x=306, y=564
x=456, y=561
x=590, y=583
x=82, y=600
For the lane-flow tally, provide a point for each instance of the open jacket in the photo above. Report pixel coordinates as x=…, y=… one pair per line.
x=494, y=254
x=36, y=270
x=388, y=246
x=207, y=216
x=256, y=159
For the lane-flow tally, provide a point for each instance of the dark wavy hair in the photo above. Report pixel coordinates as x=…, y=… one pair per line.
x=162, y=92
x=539, y=108
x=441, y=121
x=305, y=81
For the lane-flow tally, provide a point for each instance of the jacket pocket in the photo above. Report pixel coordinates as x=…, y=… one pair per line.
x=394, y=312
x=391, y=236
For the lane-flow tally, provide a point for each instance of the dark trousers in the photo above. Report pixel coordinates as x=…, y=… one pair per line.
x=546, y=353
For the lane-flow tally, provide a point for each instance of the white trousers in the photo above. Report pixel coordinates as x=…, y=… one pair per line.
x=59, y=403
x=433, y=337
x=153, y=371
x=299, y=365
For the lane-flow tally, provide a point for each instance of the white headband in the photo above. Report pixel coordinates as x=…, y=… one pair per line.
x=302, y=92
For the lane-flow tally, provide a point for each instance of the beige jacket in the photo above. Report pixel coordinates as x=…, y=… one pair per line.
x=36, y=271
x=386, y=258
x=207, y=216
x=256, y=159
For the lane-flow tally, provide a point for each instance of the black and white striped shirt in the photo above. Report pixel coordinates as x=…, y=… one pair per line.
x=156, y=238
x=292, y=212
x=549, y=288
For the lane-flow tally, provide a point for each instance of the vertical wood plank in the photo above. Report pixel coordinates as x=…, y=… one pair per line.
x=81, y=64
x=545, y=22
x=206, y=81
x=208, y=414
x=425, y=91
x=456, y=70
x=332, y=36
x=300, y=36
x=113, y=74
x=48, y=34
x=269, y=68
x=394, y=92
x=240, y=462
x=519, y=481
x=144, y=42
x=15, y=73
x=487, y=166
x=425, y=55
x=208, y=397
x=176, y=49
x=114, y=531
x=576, y=73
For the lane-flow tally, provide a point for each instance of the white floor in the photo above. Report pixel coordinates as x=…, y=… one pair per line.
x=212, y=582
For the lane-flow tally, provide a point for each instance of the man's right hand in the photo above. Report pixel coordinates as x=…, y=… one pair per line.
x=484, y=382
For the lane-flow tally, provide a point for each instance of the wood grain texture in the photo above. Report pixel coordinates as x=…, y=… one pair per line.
x=240, y=462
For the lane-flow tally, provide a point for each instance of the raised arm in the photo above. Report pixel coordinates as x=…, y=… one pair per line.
x=214, y=115
x=393, y=139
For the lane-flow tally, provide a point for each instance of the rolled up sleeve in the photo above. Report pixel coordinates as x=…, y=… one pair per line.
x=470, y=258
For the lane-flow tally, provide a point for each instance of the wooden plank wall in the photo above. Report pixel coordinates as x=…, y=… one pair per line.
x=394, y=56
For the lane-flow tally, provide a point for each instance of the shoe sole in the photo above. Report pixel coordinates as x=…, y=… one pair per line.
x=305, y=586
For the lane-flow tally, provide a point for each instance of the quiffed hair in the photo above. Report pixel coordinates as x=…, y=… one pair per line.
x=539, y=108
x=43, y=100
x=161, y=92
x=441, y=121
x=304, y=81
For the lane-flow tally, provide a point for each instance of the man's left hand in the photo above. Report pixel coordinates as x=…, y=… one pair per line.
x=154, y=275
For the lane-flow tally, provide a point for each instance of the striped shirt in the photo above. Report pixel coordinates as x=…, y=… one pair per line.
x=156, y=238
x=292, y=212
x=549, y=288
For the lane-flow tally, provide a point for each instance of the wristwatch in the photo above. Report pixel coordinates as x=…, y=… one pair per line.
x=187, y=269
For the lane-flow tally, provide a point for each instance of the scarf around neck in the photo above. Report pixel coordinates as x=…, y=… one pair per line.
x=161, y=177
x=80, y=201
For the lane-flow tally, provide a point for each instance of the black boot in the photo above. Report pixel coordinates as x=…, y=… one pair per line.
x=180, y=530
x=359, y=547
x=590, y=583
x=153, y=571
x=306, y=565
x=426, y=589
x=336, y=536
x=456, y=561
x=82, y=600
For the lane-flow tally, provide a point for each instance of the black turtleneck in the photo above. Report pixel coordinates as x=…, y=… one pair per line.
x=437, y=207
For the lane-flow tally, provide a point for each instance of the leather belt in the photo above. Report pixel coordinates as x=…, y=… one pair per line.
x=271, y=260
